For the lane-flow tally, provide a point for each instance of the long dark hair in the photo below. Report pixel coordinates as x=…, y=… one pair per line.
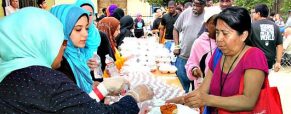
x=237, y=18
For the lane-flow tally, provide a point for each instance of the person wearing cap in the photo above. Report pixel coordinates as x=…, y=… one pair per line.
x=222, y=5
x=266, y=36
x=188, y=23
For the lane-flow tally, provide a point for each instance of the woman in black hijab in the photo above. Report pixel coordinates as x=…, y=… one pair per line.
x=126, y=24
x=118, y=13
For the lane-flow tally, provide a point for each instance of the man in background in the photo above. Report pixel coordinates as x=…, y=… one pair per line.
x=266, y=36
x=167, y=25
x=103, y=14
x=189, y=23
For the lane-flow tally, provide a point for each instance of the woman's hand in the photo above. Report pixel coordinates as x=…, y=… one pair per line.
x=92, y=64
x=196, y=72
x=176, y=100
x=196, y=99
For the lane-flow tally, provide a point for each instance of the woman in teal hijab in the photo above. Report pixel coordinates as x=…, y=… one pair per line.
x=74, y=55
x=75, y=22
x=94, y=38
x=27, y=82
x=21, y=48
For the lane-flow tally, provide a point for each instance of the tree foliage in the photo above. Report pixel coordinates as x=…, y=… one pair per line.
x=249, y=4
x=164, y=2
x=286, y=6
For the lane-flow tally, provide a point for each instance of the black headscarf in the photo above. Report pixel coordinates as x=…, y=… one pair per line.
x=118, y=13
x=126, y=23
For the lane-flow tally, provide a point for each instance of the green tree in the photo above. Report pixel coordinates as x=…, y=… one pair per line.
x=164, y=2
x=249, y=4
x=286, y=6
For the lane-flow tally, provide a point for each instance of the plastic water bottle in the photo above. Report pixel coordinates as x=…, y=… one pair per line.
x=98, y=73
x=111, y=67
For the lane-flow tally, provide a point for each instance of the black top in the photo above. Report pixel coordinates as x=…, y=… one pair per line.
x=168, y=20
x=41, y=90
x=138, y=28
x=104, y=49
x=156, y=23
x=118, y=13
x=123, y=33
x=126, y=24
x=271, y=19
x=66, y=69
x=266, y=36
x=139, y=25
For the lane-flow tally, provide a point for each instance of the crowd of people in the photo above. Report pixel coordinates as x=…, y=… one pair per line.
x=48, y=68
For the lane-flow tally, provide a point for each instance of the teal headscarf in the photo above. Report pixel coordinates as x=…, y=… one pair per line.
x=94, y=38
x=36, y=40
x=69, y=15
